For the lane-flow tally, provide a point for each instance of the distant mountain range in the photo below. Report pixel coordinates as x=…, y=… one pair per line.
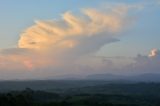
x=75, y=81
x=147, y=77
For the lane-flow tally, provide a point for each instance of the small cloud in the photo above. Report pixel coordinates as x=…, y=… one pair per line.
x=154, y=53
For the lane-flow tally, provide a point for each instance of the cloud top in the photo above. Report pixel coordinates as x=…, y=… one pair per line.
x=63, y=33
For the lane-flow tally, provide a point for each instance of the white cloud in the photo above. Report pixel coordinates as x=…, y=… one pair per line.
x=64, y=32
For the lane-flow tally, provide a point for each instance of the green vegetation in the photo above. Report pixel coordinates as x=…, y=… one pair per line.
x=135, y=94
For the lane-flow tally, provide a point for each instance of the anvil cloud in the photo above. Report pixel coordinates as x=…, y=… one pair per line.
x=66, y=45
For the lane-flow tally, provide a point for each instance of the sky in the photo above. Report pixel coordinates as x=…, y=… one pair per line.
x=47, y=38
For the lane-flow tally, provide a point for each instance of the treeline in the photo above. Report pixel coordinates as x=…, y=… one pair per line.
x=29, y=97
x=140, y=94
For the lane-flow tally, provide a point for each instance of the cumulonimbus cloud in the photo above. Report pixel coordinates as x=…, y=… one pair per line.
x=66, y=31
x=74, y=36
x=59, y=44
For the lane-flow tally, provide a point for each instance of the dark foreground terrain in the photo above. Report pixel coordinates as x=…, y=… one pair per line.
x=90, y=94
